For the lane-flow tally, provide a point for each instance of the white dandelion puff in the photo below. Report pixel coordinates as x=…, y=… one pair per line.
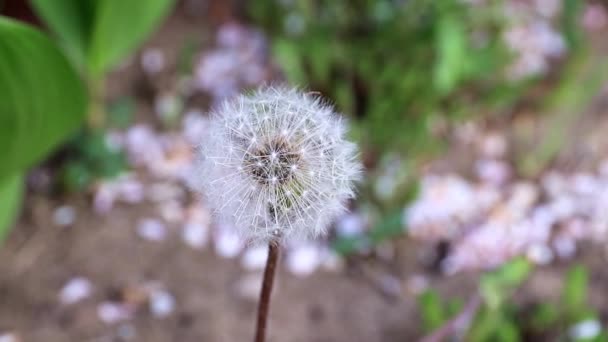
x=276, y=165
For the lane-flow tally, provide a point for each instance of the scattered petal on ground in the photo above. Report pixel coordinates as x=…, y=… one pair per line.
x=152, y=229
x=75, y=290
x=110, y=312
x=64, y=216
x=162, y=303
x=9, y=337
x=152, y=61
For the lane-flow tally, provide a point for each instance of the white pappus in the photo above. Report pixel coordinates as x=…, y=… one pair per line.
x=276, y=165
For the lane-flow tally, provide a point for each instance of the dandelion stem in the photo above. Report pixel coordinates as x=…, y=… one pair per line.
x=264, y=304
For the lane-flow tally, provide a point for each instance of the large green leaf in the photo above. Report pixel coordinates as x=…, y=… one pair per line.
x=42, y=100
x=120, y=26
x=71, y=21
x=11, y=191
x=97, y=34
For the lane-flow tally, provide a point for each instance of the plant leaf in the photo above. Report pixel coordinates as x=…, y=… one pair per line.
x=432, y=310
x=451, y=50
x=11, y=192
x=42, y=100
x=289, y=56
x=71, y=21
x=120, y=26
x=496, y=285
x=574, y=294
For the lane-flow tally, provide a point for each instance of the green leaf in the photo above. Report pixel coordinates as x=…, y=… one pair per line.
x=320, y=60
x=486, y=326
x=507, y=332
x=513, y=273
x=120, y=26
x=187, y=56
x=497, y=285
x=574, y=294
x=451, y=48
x=290, y=58
x=454, y=306
x=42, y=99
x=570, y=21
x=71, y=21
x=11, y=193
x=121, y=112
x=344, y=97
x=75, y=176
x=544, y=316
x=432, y=310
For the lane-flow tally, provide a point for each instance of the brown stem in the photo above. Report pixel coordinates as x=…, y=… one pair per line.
x=264, y=304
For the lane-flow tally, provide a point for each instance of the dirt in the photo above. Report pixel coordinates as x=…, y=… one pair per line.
x=39, y=258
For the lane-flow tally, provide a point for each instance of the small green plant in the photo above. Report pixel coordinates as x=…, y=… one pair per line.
x=494, y=316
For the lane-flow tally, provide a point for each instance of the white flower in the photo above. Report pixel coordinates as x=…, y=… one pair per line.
x=275, y=165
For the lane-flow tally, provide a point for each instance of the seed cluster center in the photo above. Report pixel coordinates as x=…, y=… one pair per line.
x=272, y=162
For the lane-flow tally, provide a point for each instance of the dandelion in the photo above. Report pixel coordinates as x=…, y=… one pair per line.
x=276, y=166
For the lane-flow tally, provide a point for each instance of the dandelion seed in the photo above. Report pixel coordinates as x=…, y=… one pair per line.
x=290, y=169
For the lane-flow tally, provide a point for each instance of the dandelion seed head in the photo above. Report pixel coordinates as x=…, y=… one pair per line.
x=276, y=165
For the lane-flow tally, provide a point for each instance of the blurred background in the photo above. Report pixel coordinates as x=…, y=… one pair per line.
x=483, y=215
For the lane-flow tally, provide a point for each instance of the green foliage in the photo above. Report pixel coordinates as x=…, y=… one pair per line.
x=450, y=44
x=70, y=21
x=90, y=158
x=121, y=112
x=574, y=294
x=42, y=99
x=497, y=320
x=500, y=318
x=565, y=106
x=573, y=309
x=496, y=286
x=399, y=65
x=432, y=310
x=118, y=28
x=42, y=102
x=544, y=315
x=97, y=34
x=11, y=192
x=570, y=22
